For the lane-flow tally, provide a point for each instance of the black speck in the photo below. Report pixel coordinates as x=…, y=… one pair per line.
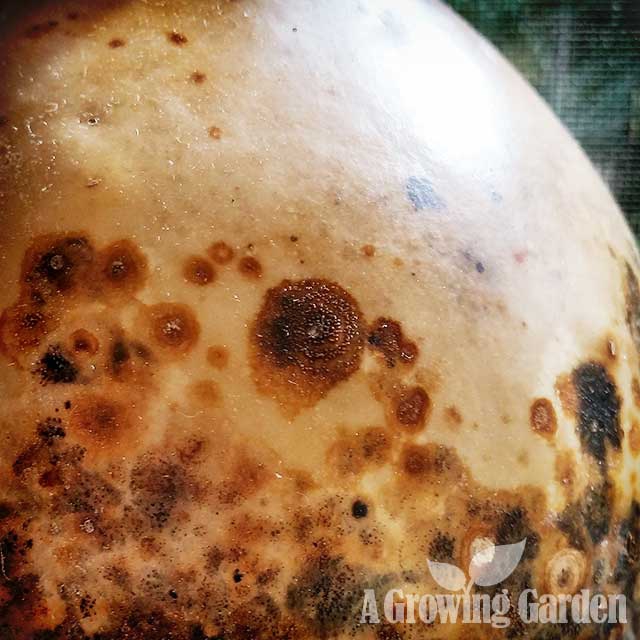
x=173, y=594
x=237, y=576
x=67, y=404
x=359, y=509
x=479, y=267
x=422, y=194
x=119, y=355
x=51, y=429
x=55, y=367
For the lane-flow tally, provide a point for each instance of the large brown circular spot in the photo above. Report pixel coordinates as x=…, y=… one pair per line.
x=198, y=271
x=123, y=267
x=543, y=417
x=307, y=338
x=174, y=326
x=412, y=407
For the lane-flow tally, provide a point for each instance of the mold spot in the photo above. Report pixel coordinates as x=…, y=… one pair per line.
x=634, y=438
x=598, y=409
x=215, y=133
x=176, y=38
x=174, y=326
x=352, y=454
x=387, y=337
x=205, y=392
x=198, y=77
x=57, y=264
x=326, y=595
x=422, y=195
x=453, y=416
x=99, y=417
x=514, y=526
x=441, y=548
x=632, y=297
x=41, y=29
x=218, y=357
x=119, y=356
x=542, y=417
x=123, y=267
x=368, y=250
x=82, y=341
x=427, y=461
x=221, y=253
x=22, y=328
x=307, y=338
x=359, y=509
x=635, y=390
x=156, y=486
x=116, y=43
x=250, y=267
x=567, y=394
x=198, y=271
x=55, y=367
x=596, y=510
x=50, y=430
x=412, y=407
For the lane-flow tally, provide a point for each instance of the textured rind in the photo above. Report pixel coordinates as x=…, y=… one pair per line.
x=296, y=296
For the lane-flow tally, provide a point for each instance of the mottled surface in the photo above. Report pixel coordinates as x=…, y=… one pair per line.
x=296, y=296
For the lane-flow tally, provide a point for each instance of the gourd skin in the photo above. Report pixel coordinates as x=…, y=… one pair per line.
x=298, y=295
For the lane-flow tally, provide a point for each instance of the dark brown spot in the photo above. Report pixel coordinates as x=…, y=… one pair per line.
x=22, y=328
x=598, y=409
x=83, y=341
x=198, y=271
x=116, y=43
x=123, y=267
x=387, y=337
x=41, y=29
x=441, y=548
x=453, y=415
x=413, y=407
x=99, y=417
x=56, y=367
x=428, y=461
x=177, y=38
x=359, y=509
x=50, y=430
x=542, y=417
x=368, y=250
x=198, y=77
x=308, y=337
x=221, y=253
x=250, y=267
x=119, y=356
x=215, y=133
x=218, y=357
x=174, y=326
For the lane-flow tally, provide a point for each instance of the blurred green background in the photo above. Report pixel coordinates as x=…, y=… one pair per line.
x=583, y=56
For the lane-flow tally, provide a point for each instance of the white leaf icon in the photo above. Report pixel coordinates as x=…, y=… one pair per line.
x=493, y=564
x=448, y=576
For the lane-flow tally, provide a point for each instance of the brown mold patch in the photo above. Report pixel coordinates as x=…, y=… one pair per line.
x=56, y=367
x=174, y=327
x=57, y=264
x=245, y=478
x=307, y=338
x=635, y=390
x=117, y=43
x=198, y=77
x=386, y=337
x=568, y=395
x=83, y=341
x=198, y=271
x=218, y=357
x=22, y=329
x=453, y=416
x=215, y=133
x=250, y=267
x=221, y=253
x=634, y=438
x=99, y=418
x=428, y=462
x=542, y=417
x=412, y=408
x=368, y=250
x=353, y=454
x=176, y=38
x=122, y=267
x=205, y=392
x=565, y=466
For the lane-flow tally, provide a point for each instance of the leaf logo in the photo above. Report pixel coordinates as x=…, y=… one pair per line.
x=489, y=566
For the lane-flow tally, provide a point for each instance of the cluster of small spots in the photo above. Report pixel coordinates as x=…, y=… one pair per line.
x=56, y=367
x=387, y=337
x=198, y=271
x=441, y=548
x=543, y=417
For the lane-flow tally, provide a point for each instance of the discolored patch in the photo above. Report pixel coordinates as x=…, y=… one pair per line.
x=36, y=31
x=598, y=409
x=179, y=39
x=421, y=193
x=122, y=267
x=632, y=299
x=198, y=271
x=567, y=394
x=635, y=390
x=353, y=454
x=307, y=338
x=386, y=336
x=198, y=77
x=441, y=548
x=206, y=392
x=221, y=253
x=215, y=133
x=83, y=341
x=428, y=462
x=23, y=328
x=117, y=43
x=634, y=438
x=218, y=357
x=368, y=250
x=453, y=416
x=412, y=408
x=174, y=327
x=542, y=417
x=56, y=367
x=100, y=418
x=57, y=264
x=250, y=267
